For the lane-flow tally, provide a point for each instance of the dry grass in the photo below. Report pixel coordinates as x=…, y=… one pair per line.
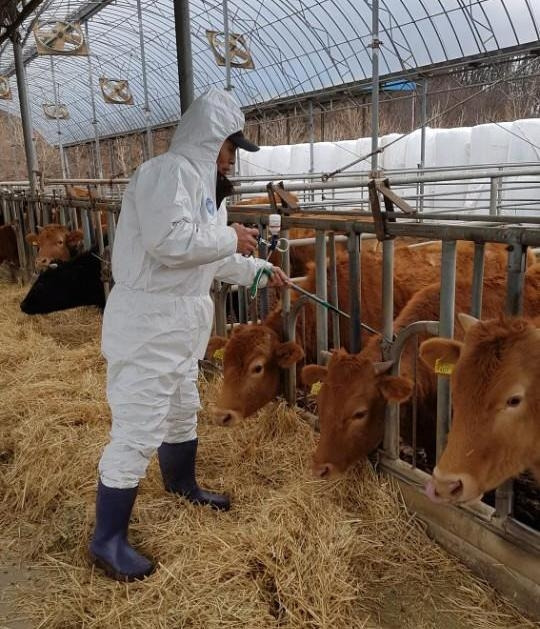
x=292, y=553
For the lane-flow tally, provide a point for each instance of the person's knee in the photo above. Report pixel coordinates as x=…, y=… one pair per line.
x=123, y=465
x=181, y=429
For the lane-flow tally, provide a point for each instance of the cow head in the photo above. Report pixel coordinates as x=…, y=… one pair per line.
x=252, y=360
x=55, y=243
x=495, y=432
x=351, y=403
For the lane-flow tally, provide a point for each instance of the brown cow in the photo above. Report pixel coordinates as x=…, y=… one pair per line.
x=252, y=361
x=414, y=268
x=341, y=443
x=495, y=432
x=8, y=249
x=55, y=243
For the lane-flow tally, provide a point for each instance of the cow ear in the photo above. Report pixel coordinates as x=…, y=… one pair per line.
x=382, y=368
x=74, y=237
x=395, y=388
x=215, y=344
x=467, y=320
x=314, y=373
x=445, y=351
x=31, y=239
x=288, y=354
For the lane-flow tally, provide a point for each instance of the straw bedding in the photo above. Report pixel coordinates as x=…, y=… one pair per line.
x=292, y=553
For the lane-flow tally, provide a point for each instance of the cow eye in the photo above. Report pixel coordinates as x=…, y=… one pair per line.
x=360, y=414
x=257, y=369
x=513, y=401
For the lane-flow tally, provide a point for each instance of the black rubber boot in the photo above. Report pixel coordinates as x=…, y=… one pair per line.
x=109, y=548
x=177, y=464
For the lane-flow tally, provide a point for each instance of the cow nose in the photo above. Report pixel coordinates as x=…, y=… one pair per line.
x=443, y=488
x=42, y=263
x=324, y=470
x=226, y=417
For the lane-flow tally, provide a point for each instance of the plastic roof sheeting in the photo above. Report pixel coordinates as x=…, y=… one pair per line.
x=298, y=46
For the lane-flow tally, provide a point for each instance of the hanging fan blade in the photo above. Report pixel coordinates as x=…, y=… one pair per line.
x=5, y=91
x=61, y=38
x=55, y=38
x=116, y=91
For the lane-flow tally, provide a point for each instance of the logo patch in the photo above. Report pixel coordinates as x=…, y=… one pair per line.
x=210, y=207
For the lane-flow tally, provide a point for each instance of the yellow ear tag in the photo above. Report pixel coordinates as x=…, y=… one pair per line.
x=315, y=388
x=219, y=354
x=442, y=368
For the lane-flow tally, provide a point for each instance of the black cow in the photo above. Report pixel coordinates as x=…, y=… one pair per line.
x=74, y=283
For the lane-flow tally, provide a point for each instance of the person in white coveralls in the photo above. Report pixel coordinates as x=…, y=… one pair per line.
x=171, y=242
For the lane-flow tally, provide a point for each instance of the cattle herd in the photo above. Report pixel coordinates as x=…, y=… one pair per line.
x=493, y=364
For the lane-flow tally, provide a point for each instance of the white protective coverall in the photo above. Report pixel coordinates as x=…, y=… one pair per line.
x=171, y=243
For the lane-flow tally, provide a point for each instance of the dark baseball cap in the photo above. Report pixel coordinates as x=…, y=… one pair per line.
x=240, y=140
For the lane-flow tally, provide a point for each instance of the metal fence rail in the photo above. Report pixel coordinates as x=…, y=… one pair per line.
x=334, y=221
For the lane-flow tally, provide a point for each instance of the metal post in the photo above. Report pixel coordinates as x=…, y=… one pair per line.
x=375, y=44
x=334, y=296
x=477, y=280
x=493, y=196
x=31, y=159
x=388, y=289
x=149, y=143
x=56, y=104
x=423, y=119
x=517, y=261
x=311, y=130
x=391, y=417
x=183, y=52
x=228, y=85
x=353, y=247
x=66, y=163
x=446, y=330
x=220, y=301
x=289, y=375
x=263, y=292
x=98, y=163
x=321, y=288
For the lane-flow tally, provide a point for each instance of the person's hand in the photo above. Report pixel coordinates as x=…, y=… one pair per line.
x=279, y=278
x=247, y=238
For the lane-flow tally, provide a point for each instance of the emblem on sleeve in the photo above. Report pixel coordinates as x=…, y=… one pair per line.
x=210, y=207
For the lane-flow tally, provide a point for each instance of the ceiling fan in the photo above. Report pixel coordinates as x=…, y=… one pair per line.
x=116, y=91
x=55, y=112
x=239, y=53
x=5, y=90
x=55, y=37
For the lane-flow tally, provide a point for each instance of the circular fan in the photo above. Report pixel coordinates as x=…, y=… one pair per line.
x=5, y=91
x=53, y=111
x=116, y=91
x=239, y=54
x=54, y=37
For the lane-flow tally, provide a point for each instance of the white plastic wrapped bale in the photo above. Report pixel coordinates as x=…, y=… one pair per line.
x=519, y=189
x=508, y=142
x=448, y=147
x=489, y=145
x=400, y=156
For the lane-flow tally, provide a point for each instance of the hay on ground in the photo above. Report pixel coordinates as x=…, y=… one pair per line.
x=292, y=553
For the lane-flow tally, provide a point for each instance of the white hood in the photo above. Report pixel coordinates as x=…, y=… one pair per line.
x=204, y=127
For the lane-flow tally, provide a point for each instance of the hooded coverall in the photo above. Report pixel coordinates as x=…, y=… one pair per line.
x=171, y=243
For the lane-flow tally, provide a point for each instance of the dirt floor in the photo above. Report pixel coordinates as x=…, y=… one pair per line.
x=292, y=553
